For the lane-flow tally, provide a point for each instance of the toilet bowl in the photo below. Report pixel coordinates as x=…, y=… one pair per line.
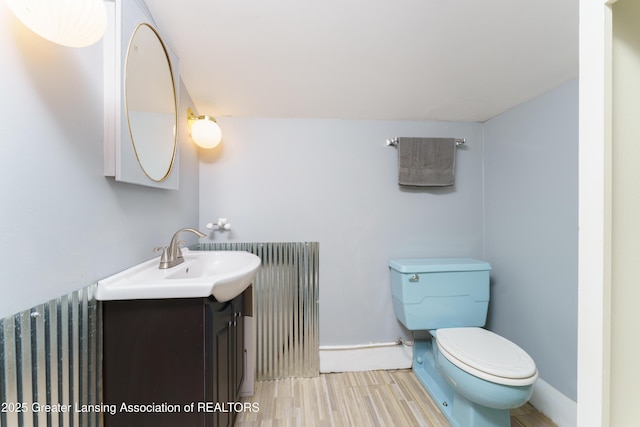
x=474, y=374
x=484, y=367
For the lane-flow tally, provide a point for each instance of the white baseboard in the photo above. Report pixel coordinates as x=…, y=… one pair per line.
x=365, y=358
x=559, y=408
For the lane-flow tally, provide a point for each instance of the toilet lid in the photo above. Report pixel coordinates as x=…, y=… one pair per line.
x=487, y=355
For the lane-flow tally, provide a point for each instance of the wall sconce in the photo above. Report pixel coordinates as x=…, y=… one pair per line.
x=205, y=131
x=73, y=23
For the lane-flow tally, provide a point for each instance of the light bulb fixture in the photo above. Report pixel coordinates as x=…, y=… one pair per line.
x=73, y=23
x=205, y=131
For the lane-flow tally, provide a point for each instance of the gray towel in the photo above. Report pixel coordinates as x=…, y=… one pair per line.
x=426, y=162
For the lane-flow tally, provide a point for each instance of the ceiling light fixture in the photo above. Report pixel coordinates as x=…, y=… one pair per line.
x=73, y=23
x=205, y=131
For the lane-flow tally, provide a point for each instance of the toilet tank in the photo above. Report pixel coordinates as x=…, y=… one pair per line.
x=433, y=293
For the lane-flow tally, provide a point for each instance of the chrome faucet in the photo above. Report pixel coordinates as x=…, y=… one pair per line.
x=172, y=254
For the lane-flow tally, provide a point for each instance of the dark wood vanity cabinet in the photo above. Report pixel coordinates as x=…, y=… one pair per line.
x=181, y=361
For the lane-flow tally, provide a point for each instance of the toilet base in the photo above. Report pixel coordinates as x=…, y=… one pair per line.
x=460, y=411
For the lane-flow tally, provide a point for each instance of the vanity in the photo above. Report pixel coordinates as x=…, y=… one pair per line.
x=174, y=353
x=173, y=340
x=173, y=329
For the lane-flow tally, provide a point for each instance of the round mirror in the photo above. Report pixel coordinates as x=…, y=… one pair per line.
x=151, y=102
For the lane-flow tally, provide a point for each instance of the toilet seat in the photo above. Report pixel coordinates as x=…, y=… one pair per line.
x=487, y=355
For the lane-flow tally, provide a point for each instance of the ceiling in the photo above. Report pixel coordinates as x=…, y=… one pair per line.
x=458, y=60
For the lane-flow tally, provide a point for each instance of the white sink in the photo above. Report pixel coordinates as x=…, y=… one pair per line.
x=223, y=274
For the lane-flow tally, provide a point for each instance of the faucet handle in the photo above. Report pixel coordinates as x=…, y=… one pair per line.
x=164, y=257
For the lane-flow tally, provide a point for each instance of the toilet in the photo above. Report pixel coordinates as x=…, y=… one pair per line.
x=473, y=374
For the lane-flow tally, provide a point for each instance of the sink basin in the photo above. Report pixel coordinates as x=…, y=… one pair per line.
x=223, y=274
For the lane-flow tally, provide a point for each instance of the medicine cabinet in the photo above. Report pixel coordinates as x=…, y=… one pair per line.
x=141, y=99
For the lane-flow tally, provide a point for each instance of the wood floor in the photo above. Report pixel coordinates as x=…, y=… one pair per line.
x=374, y=398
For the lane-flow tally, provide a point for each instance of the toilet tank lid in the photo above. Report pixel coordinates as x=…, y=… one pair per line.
x=431, y=265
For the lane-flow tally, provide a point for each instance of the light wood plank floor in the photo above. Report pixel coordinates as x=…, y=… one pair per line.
x=374, y=398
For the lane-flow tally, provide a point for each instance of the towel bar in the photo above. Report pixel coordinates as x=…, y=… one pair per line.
x=394, y=141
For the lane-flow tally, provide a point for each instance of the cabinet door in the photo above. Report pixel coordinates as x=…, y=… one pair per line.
x=153, y=352
x=226, y=357
x=220, y=363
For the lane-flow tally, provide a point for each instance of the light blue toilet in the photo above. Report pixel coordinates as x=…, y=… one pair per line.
x=475, y=375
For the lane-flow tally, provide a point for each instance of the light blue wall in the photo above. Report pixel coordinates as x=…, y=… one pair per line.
x=335, y=182
x=63, y=225
x=531, y=230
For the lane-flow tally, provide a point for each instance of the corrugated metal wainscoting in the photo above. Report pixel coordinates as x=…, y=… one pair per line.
x=49, y=355
x=286, y=307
